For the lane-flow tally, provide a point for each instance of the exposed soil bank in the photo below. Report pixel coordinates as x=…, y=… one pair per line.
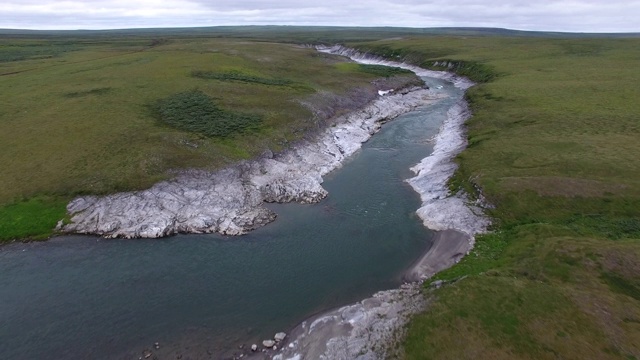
x=449, y=246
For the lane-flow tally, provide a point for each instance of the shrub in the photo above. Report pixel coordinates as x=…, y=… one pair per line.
x=195, y=111
x=381, y=70
x=239, y=77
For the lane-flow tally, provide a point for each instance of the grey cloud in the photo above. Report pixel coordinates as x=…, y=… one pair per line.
x=575, y=15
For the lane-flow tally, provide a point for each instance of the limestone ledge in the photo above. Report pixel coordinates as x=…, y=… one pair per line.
x=372, y=328
x=366, y=330
x=231, y=201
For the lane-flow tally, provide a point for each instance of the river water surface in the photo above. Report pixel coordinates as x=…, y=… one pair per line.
x=200, y=296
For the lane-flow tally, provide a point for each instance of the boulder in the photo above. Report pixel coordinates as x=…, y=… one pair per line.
x=280, y=336
x=268, y=343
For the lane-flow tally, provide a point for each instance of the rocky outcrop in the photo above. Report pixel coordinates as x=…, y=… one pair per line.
x=371, y=329
x=366, y=58
x=231, y=201
x=440, y=209
x=368, y=329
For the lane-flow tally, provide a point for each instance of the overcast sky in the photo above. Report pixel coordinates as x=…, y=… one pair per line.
x=576, y=15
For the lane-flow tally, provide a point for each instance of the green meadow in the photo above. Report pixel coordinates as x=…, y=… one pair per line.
x=98, y=114
x=554, y=146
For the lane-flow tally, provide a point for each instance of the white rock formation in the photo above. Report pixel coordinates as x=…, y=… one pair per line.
x=369, y=329
x=280, y=336
x=230, y=201
x=364, y=58
x=361, y=331
x=440, y=209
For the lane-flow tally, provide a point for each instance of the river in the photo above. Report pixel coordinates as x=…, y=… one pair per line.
x=200, y=296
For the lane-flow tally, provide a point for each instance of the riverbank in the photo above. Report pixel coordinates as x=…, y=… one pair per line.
x=440, y=209
x=449, y=246
x=231, y=201
x=237, y=194
x=553, y=147
x=374, y=327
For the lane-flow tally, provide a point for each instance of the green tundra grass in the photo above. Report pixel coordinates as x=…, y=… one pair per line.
x=554, y=145
x=94, y=114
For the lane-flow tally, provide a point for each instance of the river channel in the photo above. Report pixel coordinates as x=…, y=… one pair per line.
x=201, y=296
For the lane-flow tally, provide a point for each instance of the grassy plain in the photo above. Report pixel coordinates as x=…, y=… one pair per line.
x=78, y=114
x=554, y=145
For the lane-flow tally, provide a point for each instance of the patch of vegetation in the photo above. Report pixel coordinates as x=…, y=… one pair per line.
x=382, y=71
x=240, y=77
x=96, y=91
x=621, y=285
x=485, y=256
x=31, y=219
x=606, y=226
x=195, y=111
x=476, y=71
x=34, y=50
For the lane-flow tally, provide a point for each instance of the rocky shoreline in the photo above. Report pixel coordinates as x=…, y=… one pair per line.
x=231, y=201
x=371, y=328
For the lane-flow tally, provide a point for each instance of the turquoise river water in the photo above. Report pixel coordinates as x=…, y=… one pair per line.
x=200, y=296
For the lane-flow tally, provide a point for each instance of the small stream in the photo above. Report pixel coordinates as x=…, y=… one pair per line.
x=200, y=296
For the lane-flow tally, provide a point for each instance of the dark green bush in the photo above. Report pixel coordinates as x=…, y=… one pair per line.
x=195, y=111
x=96, y=91
x=381, y=70
x=33, y=219
x=240, y=77
x=33, y=51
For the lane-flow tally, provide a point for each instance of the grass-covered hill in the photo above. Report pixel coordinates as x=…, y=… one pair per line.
x=554, y=145
x=93, y=113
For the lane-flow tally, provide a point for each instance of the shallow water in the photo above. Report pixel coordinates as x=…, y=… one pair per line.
x=78, y=297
